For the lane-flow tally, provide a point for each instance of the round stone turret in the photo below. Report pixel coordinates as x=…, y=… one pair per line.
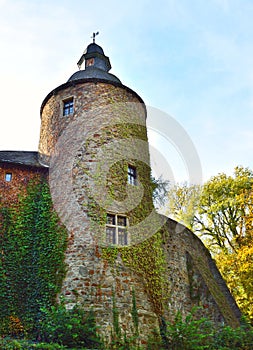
x=99, y=123
x=86, y=90
x=94, y=140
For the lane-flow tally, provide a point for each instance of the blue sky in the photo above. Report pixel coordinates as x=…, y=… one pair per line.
x=192, y=59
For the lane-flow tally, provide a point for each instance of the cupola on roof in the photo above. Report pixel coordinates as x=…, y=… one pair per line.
x=93, y=47
x=97, y=65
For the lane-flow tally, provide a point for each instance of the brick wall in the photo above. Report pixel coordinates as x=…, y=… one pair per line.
x=20, y=177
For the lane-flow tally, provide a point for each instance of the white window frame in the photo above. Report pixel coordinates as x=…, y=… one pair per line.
x=116, y=229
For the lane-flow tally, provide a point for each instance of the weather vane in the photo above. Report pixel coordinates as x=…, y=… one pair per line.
x=94, y=36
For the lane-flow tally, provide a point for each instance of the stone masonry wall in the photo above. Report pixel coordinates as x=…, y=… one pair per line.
x=103, y=115
x=88, y=96
x=82, y=176
x=195, y=279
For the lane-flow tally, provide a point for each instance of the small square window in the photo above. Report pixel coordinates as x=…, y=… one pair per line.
x=68, y=106
x=132, y=175
x=8, y=177
x=116, y=229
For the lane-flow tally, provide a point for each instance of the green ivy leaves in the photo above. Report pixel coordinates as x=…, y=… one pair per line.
x=32, y=255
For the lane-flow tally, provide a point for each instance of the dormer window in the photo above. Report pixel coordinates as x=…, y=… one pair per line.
x=8, y=177
x=116, y=229
x=68, y=106
x=132, y=175
x=90, y=62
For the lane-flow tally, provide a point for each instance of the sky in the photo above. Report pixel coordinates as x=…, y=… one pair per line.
x=191, y=59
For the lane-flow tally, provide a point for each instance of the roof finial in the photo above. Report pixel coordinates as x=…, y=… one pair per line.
x=94, y=36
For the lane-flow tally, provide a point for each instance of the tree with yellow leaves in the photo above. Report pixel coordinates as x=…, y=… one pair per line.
x=221, y=213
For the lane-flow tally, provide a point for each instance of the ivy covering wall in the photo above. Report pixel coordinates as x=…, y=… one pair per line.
x=31, y=256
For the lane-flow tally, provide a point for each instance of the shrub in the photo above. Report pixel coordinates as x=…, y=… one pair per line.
x=11, y=326
x=188, y=334
x=227, y=338
x=198, y=334
x=73, y=328
x=14, y=344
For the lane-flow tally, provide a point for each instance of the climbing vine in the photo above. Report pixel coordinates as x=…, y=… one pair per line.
x=148, y=261
x=146, y=258
x=32, y=255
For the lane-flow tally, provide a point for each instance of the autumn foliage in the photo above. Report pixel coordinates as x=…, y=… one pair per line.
x=221, y=213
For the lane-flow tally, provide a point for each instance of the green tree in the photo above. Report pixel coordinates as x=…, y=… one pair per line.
x=183, y=202
x=223, y=209
x=160, y=189
x=237, y=267
x=221, y=213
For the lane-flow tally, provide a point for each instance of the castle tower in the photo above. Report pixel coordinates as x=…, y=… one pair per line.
x=133, y=267
x=94, y=141
x=100, y=124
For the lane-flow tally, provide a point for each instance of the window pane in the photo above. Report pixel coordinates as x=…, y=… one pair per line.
x=131, y=180
x=132, y=175
x=110, y=219
x=68, y=107
x=8, y=177
x=121, y=221
x=110, y=235
x=122, y=236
